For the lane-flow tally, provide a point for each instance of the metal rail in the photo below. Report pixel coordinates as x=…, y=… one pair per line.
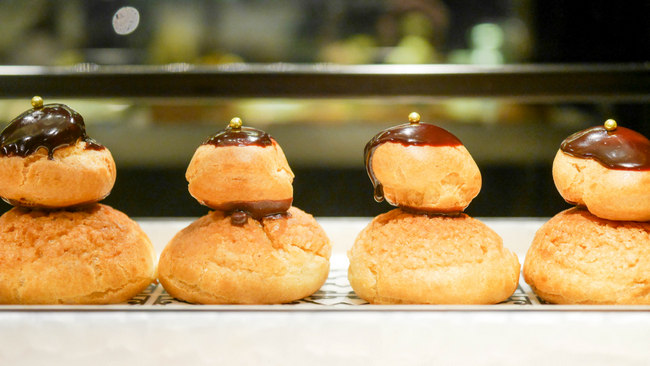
x=573, y=82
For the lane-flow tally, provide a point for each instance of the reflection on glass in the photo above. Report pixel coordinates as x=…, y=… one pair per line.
x=126, y=20
x=213, y=32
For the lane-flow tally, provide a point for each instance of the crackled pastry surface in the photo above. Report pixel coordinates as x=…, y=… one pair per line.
x=273, y=260
x=94, y=255
x=412, y=258
x=579, y=258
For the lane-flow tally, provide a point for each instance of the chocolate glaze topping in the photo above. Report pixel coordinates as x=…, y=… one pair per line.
x=431, y=213
x=239, y=218
x=51, y=127
x=34, y=206
x=621, y=149
x=258, y=210
x=244, y=136
x=409, y=134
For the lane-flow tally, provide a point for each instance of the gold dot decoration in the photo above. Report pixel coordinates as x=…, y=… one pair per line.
x=414, y=117
x=37, y=102
x=610, y=125
x=235, y=123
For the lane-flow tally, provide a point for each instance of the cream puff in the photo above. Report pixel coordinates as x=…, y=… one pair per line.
x=58, y=246
x=248, y=160
x=255, y=248
x=406, y=258
x=427, y=251
x=606, y=169
x=89, y=255
x=598, y=252
x=272, y=260
x=579, y=258
x=423, y=167
x=48, y=161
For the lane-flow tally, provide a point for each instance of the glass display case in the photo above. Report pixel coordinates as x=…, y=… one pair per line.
x=153, y=80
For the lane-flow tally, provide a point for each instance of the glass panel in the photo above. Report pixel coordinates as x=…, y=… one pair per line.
x=57, y=32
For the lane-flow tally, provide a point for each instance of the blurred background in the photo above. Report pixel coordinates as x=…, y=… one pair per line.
x=152, y=140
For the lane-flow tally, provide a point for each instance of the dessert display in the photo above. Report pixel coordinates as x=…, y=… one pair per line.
x=58, y=245
x=427, y=251
x=599, y=251
x=255, y=247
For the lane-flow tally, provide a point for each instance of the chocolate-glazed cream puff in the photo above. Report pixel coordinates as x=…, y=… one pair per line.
x=422, y=167
x=597, y=253
x=241, y=169
x=607, y=169
x=59, y=246
x=255, y=248
x=47, y=160
x=427, y=251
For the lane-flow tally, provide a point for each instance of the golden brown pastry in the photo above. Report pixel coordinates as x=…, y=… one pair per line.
x=422, y=167
x=241, y=166
x=578, y=258
x=427, y=251
x=48, y=161
x=277, y=259
x=606, y=170
x=89, y=255
x=408, y=258
x=59, y=246
x=255, y=248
